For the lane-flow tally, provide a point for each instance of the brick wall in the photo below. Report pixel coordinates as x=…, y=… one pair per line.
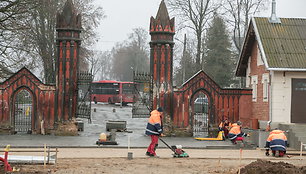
x=260, y=108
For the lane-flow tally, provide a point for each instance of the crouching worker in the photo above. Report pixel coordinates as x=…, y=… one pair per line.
x=225, y=126
x=154, y=130
x=277, y=142
x=235, y=132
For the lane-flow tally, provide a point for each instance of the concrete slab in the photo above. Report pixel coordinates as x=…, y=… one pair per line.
x=29, y=159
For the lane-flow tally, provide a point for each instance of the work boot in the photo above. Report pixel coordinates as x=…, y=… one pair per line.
x=149, y=154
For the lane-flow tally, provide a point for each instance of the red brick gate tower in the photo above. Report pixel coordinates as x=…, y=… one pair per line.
x=161, y=58
x=68, y=44
x=28, y=105
x=180, y=103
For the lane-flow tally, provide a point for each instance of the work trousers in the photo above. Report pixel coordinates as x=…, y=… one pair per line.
x=281, y=153
x=153, y=145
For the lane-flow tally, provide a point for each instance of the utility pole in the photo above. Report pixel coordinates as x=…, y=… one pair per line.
x=184, y=59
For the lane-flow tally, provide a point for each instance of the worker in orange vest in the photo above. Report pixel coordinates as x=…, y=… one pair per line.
x=225, y=126
x=154, y=130
x=277, y=142
x=235, y=132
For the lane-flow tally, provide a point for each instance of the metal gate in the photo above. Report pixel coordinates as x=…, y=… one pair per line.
x=84, y=95
x=23, y=112
x=142, y=105
x=200, y=117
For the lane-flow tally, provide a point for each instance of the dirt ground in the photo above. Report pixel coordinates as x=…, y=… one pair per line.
x=268, y=167
x=162, y=165
x=135, y=166
x=201, y=161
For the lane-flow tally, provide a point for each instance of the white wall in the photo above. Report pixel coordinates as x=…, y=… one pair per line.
x=281, y=94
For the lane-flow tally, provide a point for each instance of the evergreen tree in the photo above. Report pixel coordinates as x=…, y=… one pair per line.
x=219, y=63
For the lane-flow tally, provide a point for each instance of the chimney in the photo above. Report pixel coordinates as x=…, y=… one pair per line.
x=274, y=19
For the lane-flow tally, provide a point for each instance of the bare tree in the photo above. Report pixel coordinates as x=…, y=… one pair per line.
x=11, y=12
x=194, y=15
x=237, y=13
x=100, y=65
x=131, y=55
x=105, y=64
x=139, y=38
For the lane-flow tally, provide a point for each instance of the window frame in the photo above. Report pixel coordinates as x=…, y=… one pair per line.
x=254, y=82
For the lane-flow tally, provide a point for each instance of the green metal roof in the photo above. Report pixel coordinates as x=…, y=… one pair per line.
x=284, y=44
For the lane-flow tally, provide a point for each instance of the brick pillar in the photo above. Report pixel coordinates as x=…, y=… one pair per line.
x=162, y=32
x=68, y=44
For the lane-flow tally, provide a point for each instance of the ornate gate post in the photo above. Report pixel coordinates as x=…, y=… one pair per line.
x=68, y=45
x=161, y=59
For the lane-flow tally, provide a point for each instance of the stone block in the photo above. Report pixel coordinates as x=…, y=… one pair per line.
x=118, y=125
x=262, y=124
x=258, y=138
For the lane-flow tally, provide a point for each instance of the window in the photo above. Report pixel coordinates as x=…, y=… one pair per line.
x=105, y=88
x=265, y=87
x=259, y=58
x=248, y=72
x=254, y=87
x=127, y=88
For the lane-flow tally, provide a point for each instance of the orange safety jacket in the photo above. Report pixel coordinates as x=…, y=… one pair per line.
x=235, y=132
x=154, y=126
x=236, y=129
x=277, y=140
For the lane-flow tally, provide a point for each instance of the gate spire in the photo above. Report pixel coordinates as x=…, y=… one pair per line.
x=161, y=60
x=68, y=18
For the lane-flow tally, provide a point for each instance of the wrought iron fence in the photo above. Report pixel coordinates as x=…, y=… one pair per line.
x=200, y=125
x=84, y=95
x=23, y=112
x=143, y=95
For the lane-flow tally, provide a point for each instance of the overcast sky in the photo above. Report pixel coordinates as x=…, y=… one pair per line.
x=124, y=15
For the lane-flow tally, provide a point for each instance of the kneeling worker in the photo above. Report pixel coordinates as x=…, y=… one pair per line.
x=225, y=126
x=235, y=132
x=277, y=142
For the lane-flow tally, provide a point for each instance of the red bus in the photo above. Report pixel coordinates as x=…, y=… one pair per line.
x=112, y=92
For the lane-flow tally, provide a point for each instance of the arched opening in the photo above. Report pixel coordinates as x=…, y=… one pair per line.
x=23, y=103
x=200, y=114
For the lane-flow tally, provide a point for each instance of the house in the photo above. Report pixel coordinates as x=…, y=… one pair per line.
x=273, y=61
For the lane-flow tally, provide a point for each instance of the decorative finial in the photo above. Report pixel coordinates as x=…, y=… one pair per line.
x=69, y=18
x=162, y=13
